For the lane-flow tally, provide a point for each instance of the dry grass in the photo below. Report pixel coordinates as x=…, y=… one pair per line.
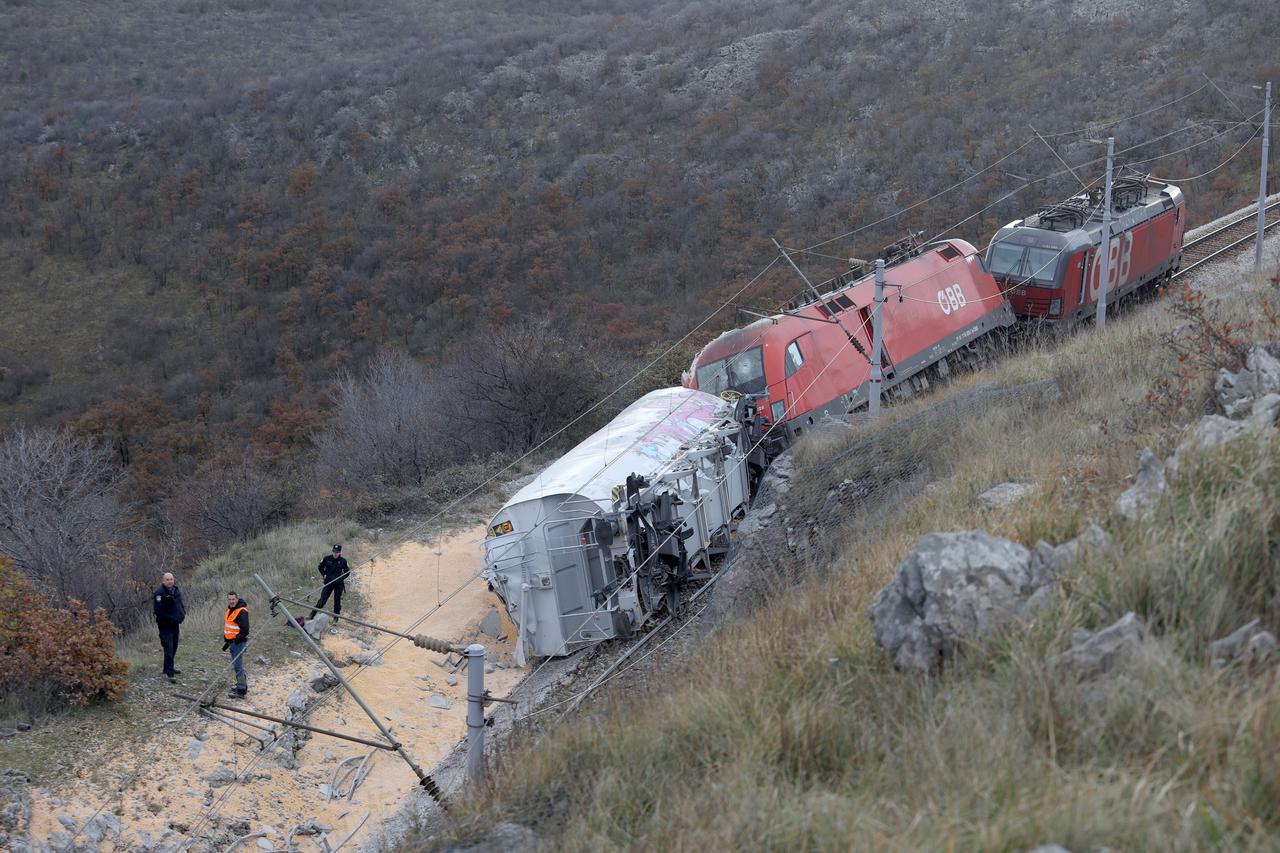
x=791, y=730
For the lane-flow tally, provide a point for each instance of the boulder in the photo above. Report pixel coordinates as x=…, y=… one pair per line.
x=1259, y=377
x=1209, y=432
x=1095, y=653
x=1150, y=484
x=221, y=775
x=1246, y=644
x=299, y=699
x=1006, y=494
x=315, y=627
x=322, y=679
x=954, y=586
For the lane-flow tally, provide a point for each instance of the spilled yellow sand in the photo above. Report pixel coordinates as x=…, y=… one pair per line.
x=399, y=589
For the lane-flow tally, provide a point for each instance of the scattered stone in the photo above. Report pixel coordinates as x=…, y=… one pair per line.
x=1247, y=644
x=323, y=681
x=23, y=727
x=1138, y=499
x=1095, y=653
x=102, y=826
x=491, y=624
x=194, y=748
x=316, y=626
x=264, y=844
x=1260, y=376
x=1006, y=494
x=438, y=702
x=262, y=661
x=367, y=658
x=69, y=822
x=296, y=654
x=451, y=680
x=299, y=700
x=489, y=667
x=954, y=586
x=221, y=775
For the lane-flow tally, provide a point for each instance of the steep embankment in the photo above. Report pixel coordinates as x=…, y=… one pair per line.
x=791, y=728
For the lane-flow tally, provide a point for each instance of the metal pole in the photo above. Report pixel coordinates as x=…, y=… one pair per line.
x=1105, y=272
x=422, y=641
x=423, y=777
x=1262, y=181
x=877, y=342
x=475, y=713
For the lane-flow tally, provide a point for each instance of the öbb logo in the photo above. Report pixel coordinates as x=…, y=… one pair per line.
x=951, y=299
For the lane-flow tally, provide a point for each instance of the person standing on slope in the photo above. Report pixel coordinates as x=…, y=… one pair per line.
x=333, y=568
x=169, y=612
x=235, y=636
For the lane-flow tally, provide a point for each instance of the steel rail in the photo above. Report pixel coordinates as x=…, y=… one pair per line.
x=1234, y=244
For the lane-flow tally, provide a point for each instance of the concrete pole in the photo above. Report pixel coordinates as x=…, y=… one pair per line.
x=1262, y=181
x=475, y=713
x=1105, y=272
x=877, y=342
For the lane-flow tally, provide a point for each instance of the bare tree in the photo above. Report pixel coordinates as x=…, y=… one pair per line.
x=386, y=429
x=231, y=501
x=516, y=385
x=62, y=520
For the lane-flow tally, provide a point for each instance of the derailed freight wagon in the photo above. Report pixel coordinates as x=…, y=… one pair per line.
x=617, y=528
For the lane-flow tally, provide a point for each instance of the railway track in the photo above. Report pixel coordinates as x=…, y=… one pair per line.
x=1226, y=238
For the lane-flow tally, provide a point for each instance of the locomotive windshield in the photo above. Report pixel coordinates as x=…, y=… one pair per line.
x=742, y=372
x=1027, y=263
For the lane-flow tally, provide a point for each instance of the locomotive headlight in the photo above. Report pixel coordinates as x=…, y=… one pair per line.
x=1055, y=306
x=777, y=410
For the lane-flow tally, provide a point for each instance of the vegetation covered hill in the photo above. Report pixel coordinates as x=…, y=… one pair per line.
x=210, y=209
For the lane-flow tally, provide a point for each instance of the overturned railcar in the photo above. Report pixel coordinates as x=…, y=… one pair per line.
x=619, y=527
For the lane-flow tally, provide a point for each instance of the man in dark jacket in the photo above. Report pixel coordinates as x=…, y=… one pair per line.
x=170, y=611
x=235, y=636
x=333, y=568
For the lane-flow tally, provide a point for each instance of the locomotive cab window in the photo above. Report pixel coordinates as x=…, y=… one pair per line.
x=742, y=372
x=794, y=358
x=1024, y=262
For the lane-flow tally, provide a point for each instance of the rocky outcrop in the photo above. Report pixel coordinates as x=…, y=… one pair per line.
x=1149, y=485
x=1259, y=377
x=1095, y=653
x=1006, y=494
x=1245, y=645
x=959, y=586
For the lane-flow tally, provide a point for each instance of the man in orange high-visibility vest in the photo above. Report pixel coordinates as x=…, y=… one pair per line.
x=235, y=635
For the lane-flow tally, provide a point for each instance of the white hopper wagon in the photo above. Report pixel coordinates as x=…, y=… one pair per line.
x=616, y=528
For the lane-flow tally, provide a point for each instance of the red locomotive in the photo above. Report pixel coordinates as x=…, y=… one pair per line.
x=1050, y=265
x=943, y=301
x=815, y=361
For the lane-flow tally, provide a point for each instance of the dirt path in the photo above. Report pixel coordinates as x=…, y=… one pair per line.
x=179, y=799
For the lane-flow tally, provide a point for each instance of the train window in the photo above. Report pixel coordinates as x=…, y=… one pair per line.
x=742, y=372
x=844, y=302
x=948, y=252
x=794, y=357
x=826, y=309
x=1025, y=262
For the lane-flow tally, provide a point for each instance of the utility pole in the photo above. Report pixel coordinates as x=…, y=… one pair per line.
x=877, y=342
x=1262, y=181
x=475, y=713
x=1105, y=272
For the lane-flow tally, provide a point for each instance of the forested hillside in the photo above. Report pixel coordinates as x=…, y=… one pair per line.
x=211, y=210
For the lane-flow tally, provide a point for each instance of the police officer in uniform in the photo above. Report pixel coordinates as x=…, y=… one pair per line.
x=333, y=568
x=169, y=612
x=235, y=635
